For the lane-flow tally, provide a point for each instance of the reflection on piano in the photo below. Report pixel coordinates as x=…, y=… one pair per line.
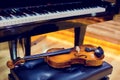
x=27, y=11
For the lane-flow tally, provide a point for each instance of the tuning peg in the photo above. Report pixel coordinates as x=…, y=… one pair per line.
x=88, y=49
x=99, y=52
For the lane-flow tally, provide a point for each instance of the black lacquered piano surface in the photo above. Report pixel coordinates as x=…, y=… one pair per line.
x=20, y=16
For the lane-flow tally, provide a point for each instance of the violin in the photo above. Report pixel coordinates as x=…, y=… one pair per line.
x=87, y=55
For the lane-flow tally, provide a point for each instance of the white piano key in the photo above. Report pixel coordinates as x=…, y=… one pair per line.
x=48, y=16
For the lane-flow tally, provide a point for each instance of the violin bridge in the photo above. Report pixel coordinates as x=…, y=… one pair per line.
x=77, y=49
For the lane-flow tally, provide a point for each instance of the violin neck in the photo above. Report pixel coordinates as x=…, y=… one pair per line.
x=37, y=56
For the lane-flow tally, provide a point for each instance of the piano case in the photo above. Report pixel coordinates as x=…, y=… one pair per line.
x=40, y=70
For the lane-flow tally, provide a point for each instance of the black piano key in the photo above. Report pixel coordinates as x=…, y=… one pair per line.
x=27, y=11
x=17, y=13
x=51, y=9
x=39, y=10
x=0, y=18
x=12, y=12
x=5, y=15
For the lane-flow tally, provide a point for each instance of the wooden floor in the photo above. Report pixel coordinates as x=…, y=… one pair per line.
x=104, y=34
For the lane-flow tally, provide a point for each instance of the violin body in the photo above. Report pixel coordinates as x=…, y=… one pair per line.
x=85, y=56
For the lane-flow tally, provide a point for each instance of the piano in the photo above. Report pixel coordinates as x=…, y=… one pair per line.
x=16, y=15
x=14, y=12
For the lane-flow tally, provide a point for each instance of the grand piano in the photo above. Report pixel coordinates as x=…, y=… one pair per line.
x=19, y=20
x=15, y=16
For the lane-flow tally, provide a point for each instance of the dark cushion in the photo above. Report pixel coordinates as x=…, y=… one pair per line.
x=42, y=71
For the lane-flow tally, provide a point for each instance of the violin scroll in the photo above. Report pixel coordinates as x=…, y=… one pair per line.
x=12, y=64
x=98, y=52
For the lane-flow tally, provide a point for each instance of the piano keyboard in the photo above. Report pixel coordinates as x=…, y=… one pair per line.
x=21, y=16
